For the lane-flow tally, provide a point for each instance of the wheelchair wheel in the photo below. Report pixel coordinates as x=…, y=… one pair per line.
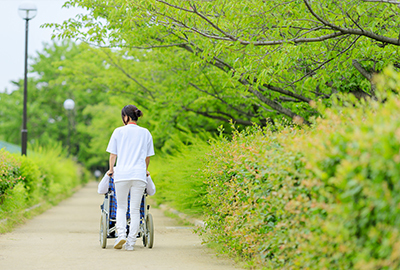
x=144, y=240
x=149, y=231
x=103, y=230
x=143, y=228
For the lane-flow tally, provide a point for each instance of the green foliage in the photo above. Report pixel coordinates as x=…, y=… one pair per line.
x=177, y=178
x=251, y=182
x=59, y=174
x=13, y=202
x=104, y=119
x=32, y=179
x=49, y=123
x=324, y=198
x=353, y=168
x=44, y=177
x=10, y=173
x=273, y=54
x=101, y=82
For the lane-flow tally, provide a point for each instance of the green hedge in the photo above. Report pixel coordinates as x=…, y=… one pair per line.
x=252, y=180
x=10, y=173
x=44, y=177
x=324, y=198
x=353, y=170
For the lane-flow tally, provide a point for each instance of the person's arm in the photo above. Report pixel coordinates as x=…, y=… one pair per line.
x=147, y=165
x=112, y=159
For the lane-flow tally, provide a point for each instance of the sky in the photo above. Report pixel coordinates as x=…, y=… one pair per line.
x=12, y=35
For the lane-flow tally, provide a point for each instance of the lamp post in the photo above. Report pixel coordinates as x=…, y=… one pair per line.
x=69, y=105
x=26, y=11
x=97, y=174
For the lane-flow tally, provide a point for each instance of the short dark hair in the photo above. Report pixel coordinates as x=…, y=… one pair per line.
x=131, y=111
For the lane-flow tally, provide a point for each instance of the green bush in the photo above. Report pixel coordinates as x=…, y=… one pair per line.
x=14, y=201
x=10, y=173
x=324, y=198
x=176, y=176
x=353, y=165
x=32, y=180
x=44, y=177
x=251, y=181
x=59, y=174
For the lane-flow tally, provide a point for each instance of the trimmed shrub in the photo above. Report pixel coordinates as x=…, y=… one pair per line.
x=10, y=174
x=353, y=166
x=45, y=176
x=324, y=198
x=253, y=196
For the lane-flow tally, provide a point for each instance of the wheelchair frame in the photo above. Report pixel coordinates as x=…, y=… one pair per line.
x=146, y=227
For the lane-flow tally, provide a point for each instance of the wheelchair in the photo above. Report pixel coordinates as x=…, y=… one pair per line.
x=108, y=219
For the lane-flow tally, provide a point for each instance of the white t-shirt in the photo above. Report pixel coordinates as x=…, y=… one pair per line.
x=132, y=144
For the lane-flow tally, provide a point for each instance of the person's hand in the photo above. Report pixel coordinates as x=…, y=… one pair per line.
x=110, y=172
x=147, y=173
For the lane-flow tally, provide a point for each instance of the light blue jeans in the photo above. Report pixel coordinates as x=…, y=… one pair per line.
x=122, y=188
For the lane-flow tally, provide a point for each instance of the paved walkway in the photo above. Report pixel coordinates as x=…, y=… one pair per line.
x=67, y=237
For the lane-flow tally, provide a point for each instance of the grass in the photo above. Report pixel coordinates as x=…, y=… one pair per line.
x=178, y=180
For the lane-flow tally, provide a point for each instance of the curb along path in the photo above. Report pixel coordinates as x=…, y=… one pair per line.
x=182, y=216
x=67, y=237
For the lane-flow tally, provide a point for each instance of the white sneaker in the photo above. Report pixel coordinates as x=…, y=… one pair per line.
x=119, y=242
x=128, y=247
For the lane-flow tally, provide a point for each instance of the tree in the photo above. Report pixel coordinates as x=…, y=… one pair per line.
x=47, y=118
x=284, y=54
x=101, y=82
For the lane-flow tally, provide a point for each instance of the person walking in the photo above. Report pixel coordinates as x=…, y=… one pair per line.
x=131, y=146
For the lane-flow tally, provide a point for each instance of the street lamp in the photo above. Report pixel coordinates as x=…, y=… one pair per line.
x=26, y=11
x=97, y=174
x=69, y=105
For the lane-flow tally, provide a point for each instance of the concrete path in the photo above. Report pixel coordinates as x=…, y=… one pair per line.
x=67, y=237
